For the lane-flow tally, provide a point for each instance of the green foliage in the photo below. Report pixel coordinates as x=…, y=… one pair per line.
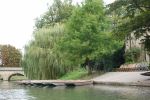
x=111, y=56
x=87, y=37
x=56, y=49
x=132, y=55
x=58, y=12
x=135, y=18
x=84, y=31
x=10, y=56
x=41, y=59
x=146, y=40
x=75, y=74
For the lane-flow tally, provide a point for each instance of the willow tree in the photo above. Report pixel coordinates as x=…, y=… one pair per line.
x=41, y=59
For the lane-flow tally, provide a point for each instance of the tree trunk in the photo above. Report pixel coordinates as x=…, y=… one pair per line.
x=88, y=67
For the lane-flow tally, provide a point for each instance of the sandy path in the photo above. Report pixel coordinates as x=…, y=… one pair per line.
x=122, y=77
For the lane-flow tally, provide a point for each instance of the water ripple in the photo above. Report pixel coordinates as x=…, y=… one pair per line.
x=15, y=94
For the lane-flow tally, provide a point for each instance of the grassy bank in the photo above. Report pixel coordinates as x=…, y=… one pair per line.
x=74, y=75
x=80, y=74
x=77, y=74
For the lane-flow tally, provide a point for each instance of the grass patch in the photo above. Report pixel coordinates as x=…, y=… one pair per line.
x=93, y=75
x=17, y=78
x=74, y=75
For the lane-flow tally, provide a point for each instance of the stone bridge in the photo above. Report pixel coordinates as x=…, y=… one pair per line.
x=7, y=72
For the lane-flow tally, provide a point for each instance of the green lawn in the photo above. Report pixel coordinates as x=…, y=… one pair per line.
x=80, y=74
x=74, y=75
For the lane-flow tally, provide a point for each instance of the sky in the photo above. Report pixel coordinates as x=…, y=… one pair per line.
x=17, y=18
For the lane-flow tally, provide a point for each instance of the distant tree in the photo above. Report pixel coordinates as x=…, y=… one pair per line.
x=58, y=12
x=10, y=56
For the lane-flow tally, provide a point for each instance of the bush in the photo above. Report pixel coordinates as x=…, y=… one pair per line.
x=132, y=55
x=109, y=61
x=76, y=74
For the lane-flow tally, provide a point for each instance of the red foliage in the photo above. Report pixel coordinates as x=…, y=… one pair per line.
x=9, y=56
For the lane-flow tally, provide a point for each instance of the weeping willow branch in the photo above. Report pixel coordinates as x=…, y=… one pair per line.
x=42, y=60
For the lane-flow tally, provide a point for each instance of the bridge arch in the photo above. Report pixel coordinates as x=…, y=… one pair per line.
x=7, y=72
x=13, y=74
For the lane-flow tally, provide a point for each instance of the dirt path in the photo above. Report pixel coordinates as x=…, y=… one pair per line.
x=123, y=78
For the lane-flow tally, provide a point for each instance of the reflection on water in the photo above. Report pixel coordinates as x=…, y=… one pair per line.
x=11, y=91
x=125, y=92
x=14, y=94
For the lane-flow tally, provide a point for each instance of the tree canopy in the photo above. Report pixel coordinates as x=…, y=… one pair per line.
x=135, y=17
x=10, y=56
x=84, y=28
x=42, y=60
x=86, y=34
x=66, y=36
x=58, y=12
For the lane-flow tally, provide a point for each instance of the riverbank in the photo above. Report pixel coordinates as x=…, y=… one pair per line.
x=110, y=78
x=80, y=74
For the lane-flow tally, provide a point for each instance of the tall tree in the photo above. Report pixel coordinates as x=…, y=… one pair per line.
x=42, y=59
x=10, y=56
x=85, y=30
x=135, y=18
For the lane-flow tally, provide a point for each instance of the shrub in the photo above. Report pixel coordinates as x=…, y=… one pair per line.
x=132, y=55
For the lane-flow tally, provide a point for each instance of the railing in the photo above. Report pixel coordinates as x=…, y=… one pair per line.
x=138, y=67
x=11, y=69
x=131, y=69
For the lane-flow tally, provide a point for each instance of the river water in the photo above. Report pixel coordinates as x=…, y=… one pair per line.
x=12, y=91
